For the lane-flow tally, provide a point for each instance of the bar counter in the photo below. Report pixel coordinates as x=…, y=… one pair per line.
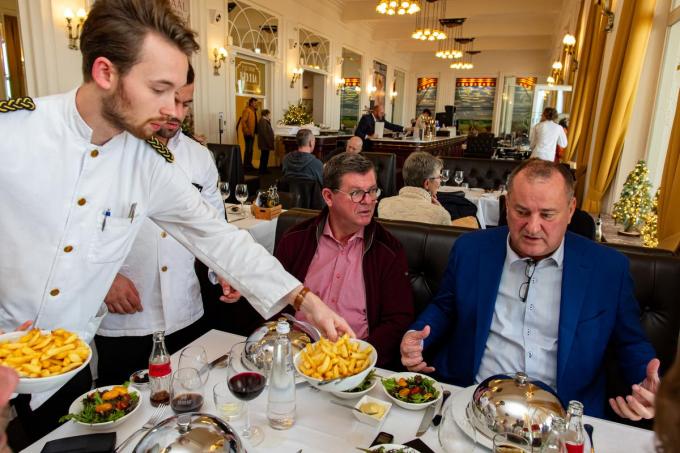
x=325, y=144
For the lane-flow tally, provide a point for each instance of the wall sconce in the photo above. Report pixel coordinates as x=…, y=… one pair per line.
x=297, y=73
x=371, y=90
x=340, y=82
x=219, y=55
x=569, y=42
x=550, y=80
x=74, y=37
x=393, y=94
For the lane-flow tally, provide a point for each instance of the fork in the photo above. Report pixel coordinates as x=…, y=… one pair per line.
x=156, y=417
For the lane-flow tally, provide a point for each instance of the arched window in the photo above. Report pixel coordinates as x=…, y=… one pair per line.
x=253, y=29
x=314, y=50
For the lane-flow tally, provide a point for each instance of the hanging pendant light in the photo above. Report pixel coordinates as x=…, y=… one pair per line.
x=448, y=48
x=463, y=45
x=428, y=27
x=400, y=7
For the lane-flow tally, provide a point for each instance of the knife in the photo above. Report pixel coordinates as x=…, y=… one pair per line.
x=427, y=419
x=438, y=418
x=215, y=363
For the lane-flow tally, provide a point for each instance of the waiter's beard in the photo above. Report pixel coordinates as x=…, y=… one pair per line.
x=114, y=110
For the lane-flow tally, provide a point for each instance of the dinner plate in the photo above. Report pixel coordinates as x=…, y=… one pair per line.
x=388, y=447
x=460, y=405
x=77, y=406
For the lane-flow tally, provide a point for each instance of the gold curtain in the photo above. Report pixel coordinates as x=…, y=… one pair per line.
x=582, y=116
x=635, y=24
x=669, y=198
x=16, y=69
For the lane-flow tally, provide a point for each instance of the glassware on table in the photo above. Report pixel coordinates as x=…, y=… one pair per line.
x=186, y=391
x=227, y=405
x=195, y=357
x=465, y=185
x=445, y=176
x=458, y=177
x=159, y=371
x=510, y=443
x=242, y=195
x=245, y=385
x=224, y=190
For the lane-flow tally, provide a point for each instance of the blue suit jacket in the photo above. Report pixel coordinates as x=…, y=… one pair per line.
x=597, y=309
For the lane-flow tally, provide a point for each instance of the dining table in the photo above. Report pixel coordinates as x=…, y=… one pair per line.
x=263, y=231
x=488, y=205
x=321, y=426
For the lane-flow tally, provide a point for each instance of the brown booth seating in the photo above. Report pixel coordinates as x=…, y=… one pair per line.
x=655, y=277
x=386, y=171
x=484, y=173
x=230, y=169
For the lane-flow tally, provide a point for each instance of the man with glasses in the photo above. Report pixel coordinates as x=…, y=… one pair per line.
x=350, y=260
x=532, y=297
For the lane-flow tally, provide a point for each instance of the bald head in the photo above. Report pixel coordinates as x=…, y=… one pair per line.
x=354, y=145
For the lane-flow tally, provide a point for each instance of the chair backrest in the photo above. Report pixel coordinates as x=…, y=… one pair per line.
x=229, y=165
x=289, y=200
x=484, y=173
x=386, y=171
x=480, y=146
x=308, y=192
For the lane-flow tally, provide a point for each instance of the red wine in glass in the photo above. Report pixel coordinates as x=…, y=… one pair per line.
x=247, y=386
x=186, y=402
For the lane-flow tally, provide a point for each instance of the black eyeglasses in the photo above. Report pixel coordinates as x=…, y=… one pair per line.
x=358, y=195
x=528, y=273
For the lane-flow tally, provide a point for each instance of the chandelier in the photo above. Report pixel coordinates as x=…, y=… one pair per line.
x=428, y=26
x=447, y=48
x=400, y=7
x=466, y=47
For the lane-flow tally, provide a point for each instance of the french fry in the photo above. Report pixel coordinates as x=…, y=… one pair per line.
x=327, y=360
x=35, y=354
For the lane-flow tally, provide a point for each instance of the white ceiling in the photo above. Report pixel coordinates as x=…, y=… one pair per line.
x=496, y=25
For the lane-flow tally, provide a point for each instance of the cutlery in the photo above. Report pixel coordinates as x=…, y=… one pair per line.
x=589, y=429
x=215, y=363
x=155, y=418
x=427, y=419
x=338, y=403
x=330, y=381
x=438, y=418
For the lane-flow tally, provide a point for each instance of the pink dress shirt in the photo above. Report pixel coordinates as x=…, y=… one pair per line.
x=336, y=276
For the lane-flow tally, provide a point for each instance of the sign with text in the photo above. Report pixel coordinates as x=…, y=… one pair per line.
x=250, y=77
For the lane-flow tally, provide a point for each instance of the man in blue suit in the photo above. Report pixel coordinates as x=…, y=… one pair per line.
x=366, y=126
x=531, y=297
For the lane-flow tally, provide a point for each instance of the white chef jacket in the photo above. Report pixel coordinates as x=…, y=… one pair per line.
x=58, y=258
x=545, y=137
x=161, y=268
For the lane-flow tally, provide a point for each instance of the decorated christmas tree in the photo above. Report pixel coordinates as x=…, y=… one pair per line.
x=297, y=115
x=650, y=237
x=634, y=202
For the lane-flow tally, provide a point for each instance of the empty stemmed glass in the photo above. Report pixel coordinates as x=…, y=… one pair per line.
x=224, y=190
x=246, y=385
x=458, y=177
x=242, y=195
x=445, y=176
x=195, y=357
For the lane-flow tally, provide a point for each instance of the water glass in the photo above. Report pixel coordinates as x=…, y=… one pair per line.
x=186, y=391
x=195, y=357
x=224, y=190
x=227, y=405
x=445, y=176
x=458, y=177
x=242, y=195
x=510, y=443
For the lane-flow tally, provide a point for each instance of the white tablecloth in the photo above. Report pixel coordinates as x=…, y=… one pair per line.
x=488, y=207
x=263, y=231
x=323, y=427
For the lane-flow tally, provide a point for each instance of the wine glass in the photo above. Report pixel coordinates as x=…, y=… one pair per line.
x=242, y=195
x=458, y=177
x=186, y=390
x=224, y=189
x=445, y=176
x=245, y=385
x=195, y=357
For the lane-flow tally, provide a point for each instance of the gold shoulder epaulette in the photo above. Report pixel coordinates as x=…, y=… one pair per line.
x=161, y=149
x=12, y=105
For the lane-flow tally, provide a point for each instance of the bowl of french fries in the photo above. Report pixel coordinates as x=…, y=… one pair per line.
x=336, y=366
x=43, y=360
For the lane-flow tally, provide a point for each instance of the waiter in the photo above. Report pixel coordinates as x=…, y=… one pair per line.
x=366, y=127
x=78, y=179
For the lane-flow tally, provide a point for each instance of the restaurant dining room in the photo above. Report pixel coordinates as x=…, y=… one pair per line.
x=392, y=226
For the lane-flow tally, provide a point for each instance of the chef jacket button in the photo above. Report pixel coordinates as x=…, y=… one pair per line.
x=68, y=249
x=54, y=292
x=164, y=268
x=94, y=153
x=164, y=234
x=82, y=201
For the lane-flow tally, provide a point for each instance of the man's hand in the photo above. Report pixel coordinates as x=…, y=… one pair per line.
x=24, y=326
x=229, y=294
x=640, y=404
x=331, y=324
x=411, y=349
x=123, y=296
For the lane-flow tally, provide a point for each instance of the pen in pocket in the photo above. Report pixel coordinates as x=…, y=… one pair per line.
x=107, y=214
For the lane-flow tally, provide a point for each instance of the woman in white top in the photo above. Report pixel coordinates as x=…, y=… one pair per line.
x=546, y=135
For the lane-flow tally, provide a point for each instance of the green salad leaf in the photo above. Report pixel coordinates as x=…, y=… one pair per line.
x=105, y=406
x=416, y=389
x=366, y=383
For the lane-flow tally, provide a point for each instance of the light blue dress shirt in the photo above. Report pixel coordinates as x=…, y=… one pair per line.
x=523, y=335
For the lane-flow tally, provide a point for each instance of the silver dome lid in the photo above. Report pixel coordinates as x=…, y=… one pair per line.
x=191, y=433
x=514, y=404
x=259, y=346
